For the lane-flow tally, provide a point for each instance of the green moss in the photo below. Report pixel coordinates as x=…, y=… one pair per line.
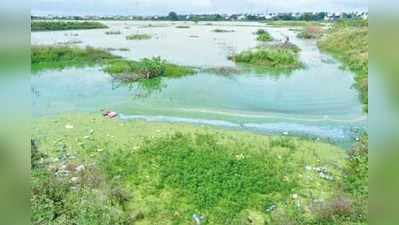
x=138, y=37
x=60, y=25
x=348, y=41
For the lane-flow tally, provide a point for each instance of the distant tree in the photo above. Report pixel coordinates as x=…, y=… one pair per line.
x=173, y=16
x=307, y=16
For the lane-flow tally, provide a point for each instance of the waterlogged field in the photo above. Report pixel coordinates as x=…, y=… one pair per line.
x=317, y=99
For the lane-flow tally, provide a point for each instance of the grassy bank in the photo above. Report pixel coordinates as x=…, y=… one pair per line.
x=91, y=170
x=60, y=57
x=279, y=56
x=348, y=41
x=61, y=25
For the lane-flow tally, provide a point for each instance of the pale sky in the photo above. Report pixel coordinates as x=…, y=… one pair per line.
x=162, y=7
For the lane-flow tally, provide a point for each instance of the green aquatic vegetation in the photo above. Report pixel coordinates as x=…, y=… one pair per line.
x=264, y=37
x=112, y=32
x=138, y=37
x=60, y=57
x=348, y=41
x=146, y=68
x=275, y=57
x=62, y=25
x=222, y=31
x=183, y=27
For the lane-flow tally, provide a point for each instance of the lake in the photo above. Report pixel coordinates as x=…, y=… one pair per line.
x=317, y=101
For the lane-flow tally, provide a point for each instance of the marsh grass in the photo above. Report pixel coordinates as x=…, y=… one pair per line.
x=275, y=57
x=222, y=31
x=348, y=41
x=182, y=27
x=138, y=37
x=113, y=32
x=60, y=57
x=61, y=25
x=146, y=68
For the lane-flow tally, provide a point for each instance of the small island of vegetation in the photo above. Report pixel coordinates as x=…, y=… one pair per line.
x=60, y=57
x=278, y=56
x=65, y=25
x=138, y=37
x=222, y=31
x=263, y=35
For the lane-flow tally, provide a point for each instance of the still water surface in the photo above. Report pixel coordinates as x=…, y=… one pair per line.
x=316, y=101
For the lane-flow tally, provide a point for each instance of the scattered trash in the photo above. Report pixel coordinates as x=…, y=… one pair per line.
x=295, y=196
x=285, y=133
x=69, y=126
x=110, y=114
x=198, y=219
